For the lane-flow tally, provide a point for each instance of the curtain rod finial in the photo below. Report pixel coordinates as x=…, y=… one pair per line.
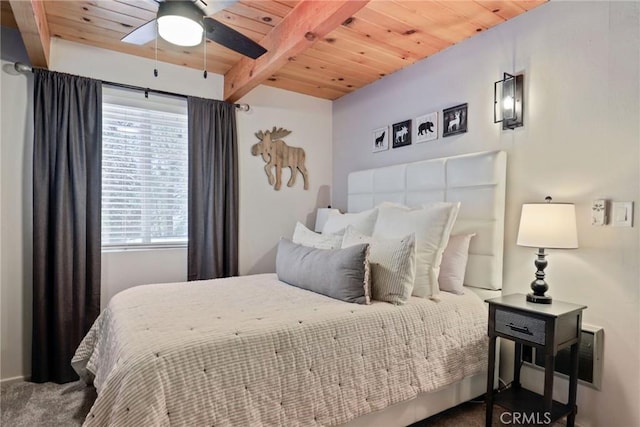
x=243, y=107
x=21, y=67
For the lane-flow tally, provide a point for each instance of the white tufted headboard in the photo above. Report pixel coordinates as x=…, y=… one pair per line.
x=476, y=180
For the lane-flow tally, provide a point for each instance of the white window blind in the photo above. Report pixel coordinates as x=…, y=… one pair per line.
x=144, y=170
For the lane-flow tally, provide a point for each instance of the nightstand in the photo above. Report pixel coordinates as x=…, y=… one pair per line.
x=548, y=328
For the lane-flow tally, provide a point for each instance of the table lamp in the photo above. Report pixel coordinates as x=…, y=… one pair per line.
x=546, y=226
x=322, y=215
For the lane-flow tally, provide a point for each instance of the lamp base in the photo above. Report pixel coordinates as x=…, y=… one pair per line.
x=539, y=299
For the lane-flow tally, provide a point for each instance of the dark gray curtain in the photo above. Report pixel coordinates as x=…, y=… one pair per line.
x=213, y=190
x=67, y=156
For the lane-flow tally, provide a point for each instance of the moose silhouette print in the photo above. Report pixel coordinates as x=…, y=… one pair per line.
x=402, y=134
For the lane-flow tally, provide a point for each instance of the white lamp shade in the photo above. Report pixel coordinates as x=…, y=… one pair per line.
x=322, y=216
x=548, y=225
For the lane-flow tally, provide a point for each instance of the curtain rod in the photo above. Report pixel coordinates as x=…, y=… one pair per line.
x=24, y=68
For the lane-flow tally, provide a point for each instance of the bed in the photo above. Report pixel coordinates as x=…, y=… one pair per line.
x=255, y=351
x=478, y=181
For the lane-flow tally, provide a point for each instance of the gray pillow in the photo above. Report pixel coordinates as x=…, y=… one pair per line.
x=336, y=273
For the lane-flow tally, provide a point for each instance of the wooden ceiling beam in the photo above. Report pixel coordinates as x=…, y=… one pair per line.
x=6, y=15
x=32, y=23
x=308, y=22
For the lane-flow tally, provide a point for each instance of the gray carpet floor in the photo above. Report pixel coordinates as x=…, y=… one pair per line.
x=27, y=404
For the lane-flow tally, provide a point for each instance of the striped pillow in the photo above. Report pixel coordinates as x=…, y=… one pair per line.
x=392, y=263
x=432, y=224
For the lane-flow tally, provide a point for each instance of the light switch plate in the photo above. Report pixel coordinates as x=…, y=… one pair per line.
x=599, y=212
x=622, y=214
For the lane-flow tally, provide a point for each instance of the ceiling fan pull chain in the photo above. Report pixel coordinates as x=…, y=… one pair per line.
x=155, y=69
x=205, y=57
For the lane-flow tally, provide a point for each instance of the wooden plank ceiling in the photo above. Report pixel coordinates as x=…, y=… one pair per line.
x=375, y=39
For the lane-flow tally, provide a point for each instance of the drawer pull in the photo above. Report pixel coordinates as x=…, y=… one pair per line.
x=524, y=330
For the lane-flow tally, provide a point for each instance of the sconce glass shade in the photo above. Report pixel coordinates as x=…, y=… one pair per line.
x=180, y=23
x=508, y=101
x=508, y=98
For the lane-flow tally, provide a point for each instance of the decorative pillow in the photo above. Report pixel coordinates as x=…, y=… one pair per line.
x=432, y=225
x=338, y=273
x=392, y=263
x=454, y=264
x=303, y=236
x=362, y=221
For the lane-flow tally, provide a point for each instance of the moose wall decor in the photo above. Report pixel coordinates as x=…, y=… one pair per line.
x=276, y=153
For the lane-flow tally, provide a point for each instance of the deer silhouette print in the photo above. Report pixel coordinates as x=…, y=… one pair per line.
x=455, y=123
x=276, y=153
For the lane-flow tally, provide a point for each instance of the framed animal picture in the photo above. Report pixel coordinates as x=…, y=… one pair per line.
x=380, y=139
x=454, y=120
x=427, y=127
x=401, y=134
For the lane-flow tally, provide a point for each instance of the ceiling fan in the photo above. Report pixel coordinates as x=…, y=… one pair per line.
x=183, y=22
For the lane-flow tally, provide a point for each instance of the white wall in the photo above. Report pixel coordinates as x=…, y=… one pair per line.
x=74, y=58
x=581, y=141
x=16, y=134
x=265, y=214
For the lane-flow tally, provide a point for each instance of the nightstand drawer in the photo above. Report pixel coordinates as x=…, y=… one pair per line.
x=519, y=326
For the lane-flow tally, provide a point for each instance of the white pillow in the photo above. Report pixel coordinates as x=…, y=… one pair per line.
x=303, y=236
x=392, y=263
x=432, y=225
x=454, y=264
x=361, y=221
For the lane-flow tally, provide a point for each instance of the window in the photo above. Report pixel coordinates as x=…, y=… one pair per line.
x=144, y=170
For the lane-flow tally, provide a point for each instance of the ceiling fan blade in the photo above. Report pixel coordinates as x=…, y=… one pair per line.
x=228, y=37
x=210, y=7
x=143, y=34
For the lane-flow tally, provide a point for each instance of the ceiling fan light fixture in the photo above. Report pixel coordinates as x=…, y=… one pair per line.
x=180, y=23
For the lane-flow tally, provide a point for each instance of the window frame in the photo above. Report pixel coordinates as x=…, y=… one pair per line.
x=154, y=102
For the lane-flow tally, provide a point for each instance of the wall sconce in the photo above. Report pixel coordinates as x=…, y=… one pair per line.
x=508, y=101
